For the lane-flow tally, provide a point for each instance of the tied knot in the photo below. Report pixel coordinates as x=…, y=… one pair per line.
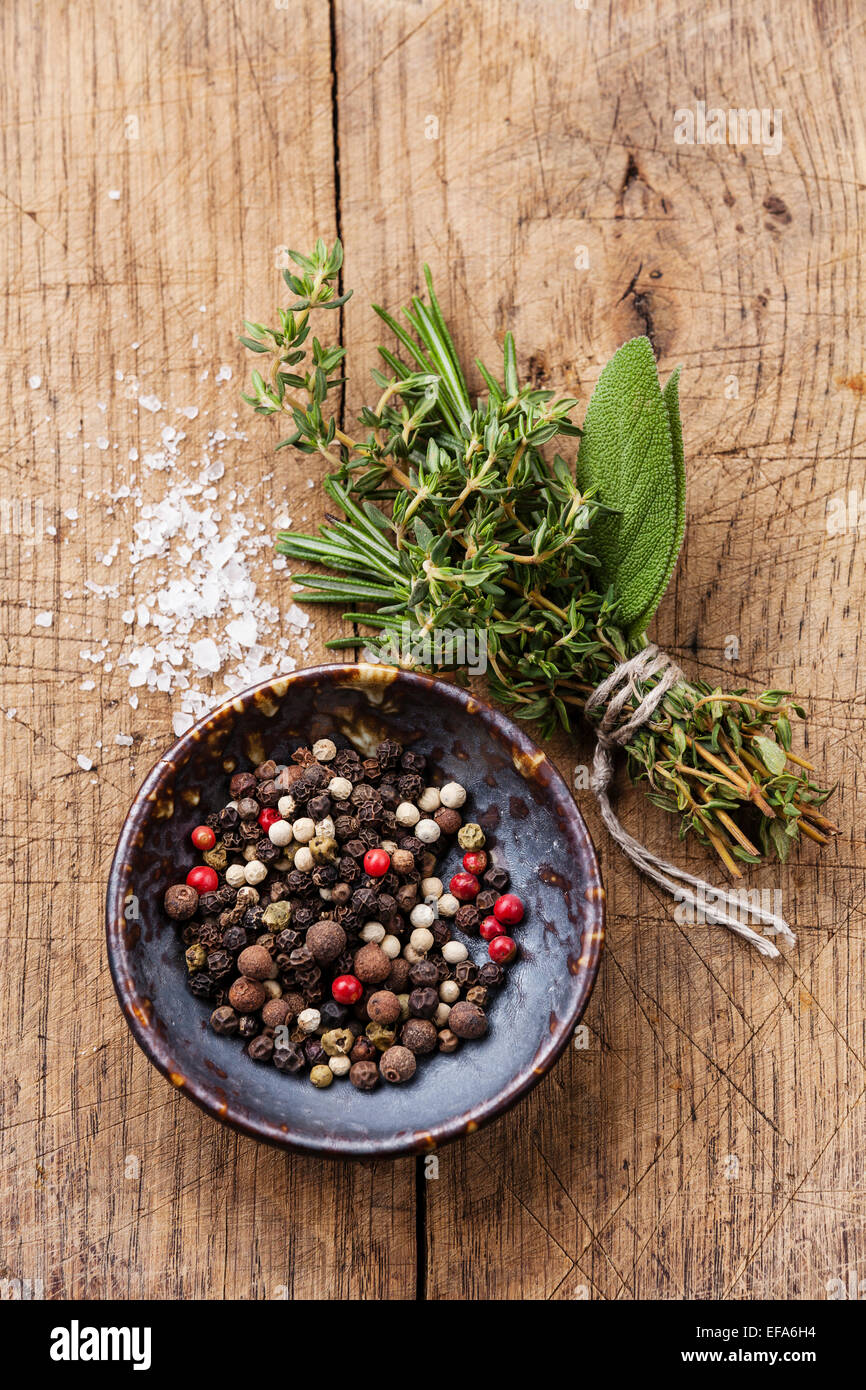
x=613, y=694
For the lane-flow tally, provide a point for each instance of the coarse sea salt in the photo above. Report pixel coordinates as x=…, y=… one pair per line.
x=189, y=605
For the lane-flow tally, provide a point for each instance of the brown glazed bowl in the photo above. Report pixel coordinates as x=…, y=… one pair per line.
x=514, y=792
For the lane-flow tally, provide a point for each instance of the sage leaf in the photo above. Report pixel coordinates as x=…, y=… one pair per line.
x=772, y=755
x=631, y=456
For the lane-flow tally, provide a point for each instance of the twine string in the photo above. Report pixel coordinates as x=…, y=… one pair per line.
x=614, y=693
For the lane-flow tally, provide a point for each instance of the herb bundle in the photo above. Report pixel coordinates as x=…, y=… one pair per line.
x=460, y=515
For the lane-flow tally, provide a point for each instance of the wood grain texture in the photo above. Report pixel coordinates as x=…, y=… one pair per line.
x=707, y=1141
x=527, y=152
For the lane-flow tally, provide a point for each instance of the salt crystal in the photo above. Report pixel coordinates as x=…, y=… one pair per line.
x=205, y=655
x=44, y=619
x=35, y=382
x=180, y=722
x=114, y=194
x=84, y=763
x=151, y=403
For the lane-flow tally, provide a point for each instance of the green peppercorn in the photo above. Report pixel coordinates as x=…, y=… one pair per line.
x=277, y=916
x=196, y=957
x=216, y=858
x=380, y=1036
x=471, y=836
x=338, y=1042
x=324, y=849
x=321, y=1076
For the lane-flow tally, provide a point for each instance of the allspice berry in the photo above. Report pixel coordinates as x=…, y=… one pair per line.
x=364, y=1076
x=402, y=862
x=275, y=1012
x=247, y=996
x=180, y=901
x=398, y=976
x=397, y=1064
x=372, y=965
x=326, y=939
x=449, y=822
x=419, y=1035
x=257, y=963
x=467, y=1020
x=383, y=1007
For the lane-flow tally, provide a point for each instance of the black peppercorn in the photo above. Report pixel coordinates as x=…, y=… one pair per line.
x=496, y=878
x=219, y=964
x=334, y=1015
x=465, y=973
x=484, y=901
x=491, y=974
x=314, y=1052
x=424, y=972
x=224, y=1020
x=423, y=1003
x=364, y=1075
x=261, y=1049
x=201, y=985
x=467, y=918
x=290, y=1059
x=248, y=1025
x=241, y=785
x=448, y=1041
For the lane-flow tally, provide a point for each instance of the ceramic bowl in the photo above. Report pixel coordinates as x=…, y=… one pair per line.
x=515, y=793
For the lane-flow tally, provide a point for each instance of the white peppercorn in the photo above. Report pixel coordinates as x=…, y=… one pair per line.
x=452, y=795
x=448, y=905
x=432, y=888
x=440, y=1018
x=391, y=946
x=407, y=814
x=428, y=832
x=372, y=931
x=235, y=875
x=422, y=915
x=422, y=940
x=280, y=833
x=340, y=788
x=304, y=861
x=325, y=826
x=273, y=988
x=449, y=991
x=429, y=800
x=256, y=871
x=340, y=1066
x=304, y=829
x=309, y=1020
x=454, y=952
x=324, y=750
x=286, y=806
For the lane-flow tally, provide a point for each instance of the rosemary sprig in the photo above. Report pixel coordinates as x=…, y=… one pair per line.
x=458, y=517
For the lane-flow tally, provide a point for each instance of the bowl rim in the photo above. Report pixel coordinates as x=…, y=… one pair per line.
x=137, y=1009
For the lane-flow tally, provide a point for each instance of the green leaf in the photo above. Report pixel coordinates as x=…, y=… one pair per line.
x=631, y=456
x=772, y=755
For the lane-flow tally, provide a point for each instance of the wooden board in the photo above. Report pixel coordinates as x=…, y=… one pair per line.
x=706, y=1142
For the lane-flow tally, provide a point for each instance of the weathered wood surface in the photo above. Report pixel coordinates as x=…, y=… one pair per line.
x=707, y=1142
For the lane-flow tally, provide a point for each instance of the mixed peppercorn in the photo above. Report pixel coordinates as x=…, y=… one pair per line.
x=318, y=928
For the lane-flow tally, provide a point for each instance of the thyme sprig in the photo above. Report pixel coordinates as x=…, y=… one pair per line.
x=458, y=514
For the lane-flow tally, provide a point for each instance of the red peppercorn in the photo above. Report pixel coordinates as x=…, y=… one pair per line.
x=502, y=950
x=377, y=862
x=267, y=816
x=203, y=837
x=347, y=989
x=465, y=887
x=508, y=910
x=490, y=928
x=203, y=879
x=475, y=861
